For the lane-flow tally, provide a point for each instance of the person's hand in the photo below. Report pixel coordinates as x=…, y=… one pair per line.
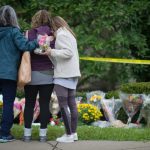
x=50, y=38
x=47, y=52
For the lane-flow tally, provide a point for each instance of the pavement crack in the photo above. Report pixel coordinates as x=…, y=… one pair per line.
x=54, y=146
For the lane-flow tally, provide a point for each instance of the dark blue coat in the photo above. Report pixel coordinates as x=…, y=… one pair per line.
x=12, y=42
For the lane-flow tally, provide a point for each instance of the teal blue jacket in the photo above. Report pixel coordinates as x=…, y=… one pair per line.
x=12, y=43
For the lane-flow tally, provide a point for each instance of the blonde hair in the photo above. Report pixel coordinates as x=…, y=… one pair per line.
x=41, y=18
x=58, y=22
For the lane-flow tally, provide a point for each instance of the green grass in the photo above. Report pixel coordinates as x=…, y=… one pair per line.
x=91, y=133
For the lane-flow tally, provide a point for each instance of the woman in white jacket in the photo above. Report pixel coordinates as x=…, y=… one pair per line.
x=66, y=73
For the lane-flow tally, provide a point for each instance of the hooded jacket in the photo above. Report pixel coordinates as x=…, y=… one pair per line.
x=12, y=42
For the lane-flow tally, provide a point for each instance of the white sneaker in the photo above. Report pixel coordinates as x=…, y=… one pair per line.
x=75, y=136
x=65, y=139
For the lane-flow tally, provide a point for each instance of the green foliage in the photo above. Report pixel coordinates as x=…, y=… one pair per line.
x=90, y=133
x=83, y=95
x=111, y=94
x=136, y=88
x=118, y=29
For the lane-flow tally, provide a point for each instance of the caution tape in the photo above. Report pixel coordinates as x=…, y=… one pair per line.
x=117, y=60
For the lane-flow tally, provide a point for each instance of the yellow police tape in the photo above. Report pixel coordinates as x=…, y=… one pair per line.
x=117, y=60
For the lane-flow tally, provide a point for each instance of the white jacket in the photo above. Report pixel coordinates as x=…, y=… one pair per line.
x=65, y=55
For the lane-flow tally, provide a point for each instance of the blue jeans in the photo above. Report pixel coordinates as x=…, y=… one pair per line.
x=8, y=90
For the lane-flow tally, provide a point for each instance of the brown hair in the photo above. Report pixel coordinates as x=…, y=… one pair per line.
x=42, y=17
x=58, y=22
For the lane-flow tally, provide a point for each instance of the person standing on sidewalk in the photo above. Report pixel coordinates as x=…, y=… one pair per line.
x=66, y=73
x=12, y=43
x=41, y=79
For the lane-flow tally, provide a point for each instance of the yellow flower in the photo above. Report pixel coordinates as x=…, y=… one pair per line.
x=88, y=113
x=95, y=98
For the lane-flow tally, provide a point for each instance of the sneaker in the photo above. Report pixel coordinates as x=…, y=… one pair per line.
x=65, y=139
x=4, y=139
x=43, y=138
x=75, y=136
x=26, y=138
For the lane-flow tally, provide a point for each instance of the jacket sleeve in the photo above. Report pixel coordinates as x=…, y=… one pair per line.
x=63, y=47
x=22, y=42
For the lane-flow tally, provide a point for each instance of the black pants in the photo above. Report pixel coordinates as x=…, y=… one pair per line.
x=31, y=92
x=8, y=90
x=66, y=99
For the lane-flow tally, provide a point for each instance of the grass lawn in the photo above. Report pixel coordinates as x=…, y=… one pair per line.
x=91, y=133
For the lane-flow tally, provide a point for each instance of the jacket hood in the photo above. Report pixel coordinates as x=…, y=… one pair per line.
x=4, y=31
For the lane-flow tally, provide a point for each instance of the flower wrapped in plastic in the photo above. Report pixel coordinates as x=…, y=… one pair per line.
x=108, y=108
x=44, y=43
x=35, y=114
x=17, y=107
x=111, y=107
x=54, y=106
x=131, y=104
x=88, y=113
x=56, y=121
x=95, y=98
x=145, y=110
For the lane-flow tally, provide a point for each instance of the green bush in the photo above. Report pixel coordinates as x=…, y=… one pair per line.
x=83, y=95
x=103, y=29
x=136, y=88
x=111, y=94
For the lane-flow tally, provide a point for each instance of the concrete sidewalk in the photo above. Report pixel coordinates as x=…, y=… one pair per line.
x=79, y=145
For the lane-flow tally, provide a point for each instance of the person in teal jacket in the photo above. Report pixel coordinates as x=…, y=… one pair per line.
x=12, y=43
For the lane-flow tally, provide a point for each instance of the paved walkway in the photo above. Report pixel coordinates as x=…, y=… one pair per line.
x=79, y=145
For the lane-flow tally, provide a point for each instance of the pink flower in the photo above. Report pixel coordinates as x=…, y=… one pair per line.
x=42, y=40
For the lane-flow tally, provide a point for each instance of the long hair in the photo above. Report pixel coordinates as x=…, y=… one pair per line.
x=41, y=18
x=8, y=16
x=58, y=22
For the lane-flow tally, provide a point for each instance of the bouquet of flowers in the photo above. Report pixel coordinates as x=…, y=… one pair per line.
x=95, y=98
x=108, y=108
x=111, y=107
x=54, y=106
x=17, y=107
x=145, y=110
x=43, y=44
x=55, y=121
x=131, y=104
x=88, y=113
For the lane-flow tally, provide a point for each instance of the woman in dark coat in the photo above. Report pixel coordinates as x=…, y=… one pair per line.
x=12, y=43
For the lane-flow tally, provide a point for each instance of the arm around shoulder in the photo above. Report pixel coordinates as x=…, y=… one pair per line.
x=22, y=42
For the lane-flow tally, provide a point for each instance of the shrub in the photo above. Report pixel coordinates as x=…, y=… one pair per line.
x=136, y=88
x=88, y=113
x=83, y=95
x=111, y=94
